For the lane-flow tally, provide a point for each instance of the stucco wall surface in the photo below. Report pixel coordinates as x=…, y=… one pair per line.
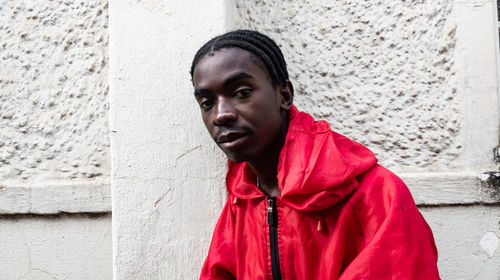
x=381, y=72
x=468, y=240
x=54, y=140
x=53, y=89
x=55, y=247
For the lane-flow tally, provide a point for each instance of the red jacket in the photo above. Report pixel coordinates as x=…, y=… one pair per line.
x=340, y=216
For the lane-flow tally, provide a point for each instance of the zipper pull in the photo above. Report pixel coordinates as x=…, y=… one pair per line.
x=270, y=206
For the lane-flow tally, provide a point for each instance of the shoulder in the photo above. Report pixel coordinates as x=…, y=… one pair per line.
x=380, y=190
x=382, y=198
x=379, y=175
x=380, y=180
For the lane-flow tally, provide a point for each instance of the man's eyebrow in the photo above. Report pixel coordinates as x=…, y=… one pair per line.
x=235, y=77
x=201, y=91
x=231, y=79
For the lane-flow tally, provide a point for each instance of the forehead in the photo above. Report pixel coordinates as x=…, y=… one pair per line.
x=226, y=62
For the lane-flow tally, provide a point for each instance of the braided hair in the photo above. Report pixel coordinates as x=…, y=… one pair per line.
x=258, y=44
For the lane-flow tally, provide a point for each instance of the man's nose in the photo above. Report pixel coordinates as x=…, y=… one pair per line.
x=225, y=112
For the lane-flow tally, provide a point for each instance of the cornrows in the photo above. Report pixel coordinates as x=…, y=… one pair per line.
x=263, y=47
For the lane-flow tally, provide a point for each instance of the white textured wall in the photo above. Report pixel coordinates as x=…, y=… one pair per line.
x=381, y=72
x=53, y=89
x=75, y=247
x=54, y=140
x=167, y=175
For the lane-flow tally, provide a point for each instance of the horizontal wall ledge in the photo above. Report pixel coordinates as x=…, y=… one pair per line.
x=94, y=196
x=54, y=197
x=450, y=188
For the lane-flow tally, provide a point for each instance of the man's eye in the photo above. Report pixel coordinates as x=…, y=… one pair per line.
x=206, y=103
x=242, y=93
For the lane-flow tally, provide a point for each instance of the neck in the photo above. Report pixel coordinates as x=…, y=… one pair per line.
x=267, y=178
x=266, y=167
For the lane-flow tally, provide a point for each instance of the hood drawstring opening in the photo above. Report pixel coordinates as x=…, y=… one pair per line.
x=321, y=222
x=321, y=225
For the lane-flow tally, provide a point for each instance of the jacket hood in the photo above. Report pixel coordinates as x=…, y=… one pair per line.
x=317, y=167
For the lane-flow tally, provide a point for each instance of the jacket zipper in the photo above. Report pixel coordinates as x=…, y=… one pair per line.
x=272, y=219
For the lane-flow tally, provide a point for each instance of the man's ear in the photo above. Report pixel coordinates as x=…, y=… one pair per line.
x=286, y=96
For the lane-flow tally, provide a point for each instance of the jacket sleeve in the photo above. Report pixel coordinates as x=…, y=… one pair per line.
x=398, y=242
x=221, y=260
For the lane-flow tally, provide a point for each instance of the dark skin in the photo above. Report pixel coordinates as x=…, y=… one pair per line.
x=244, y=111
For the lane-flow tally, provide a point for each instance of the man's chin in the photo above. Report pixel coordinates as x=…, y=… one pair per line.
x=236, y=157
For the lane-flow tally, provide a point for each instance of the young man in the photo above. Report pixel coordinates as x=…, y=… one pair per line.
x=304, y=202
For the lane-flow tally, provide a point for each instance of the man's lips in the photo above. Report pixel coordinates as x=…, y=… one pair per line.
x=229, y=137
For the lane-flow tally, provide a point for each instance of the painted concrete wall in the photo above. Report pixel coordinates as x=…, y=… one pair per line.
x=467, y=240
x=54, y=140
x=167, y=175
x=55, y=247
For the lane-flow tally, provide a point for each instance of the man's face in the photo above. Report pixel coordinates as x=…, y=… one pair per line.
x=240, y=106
